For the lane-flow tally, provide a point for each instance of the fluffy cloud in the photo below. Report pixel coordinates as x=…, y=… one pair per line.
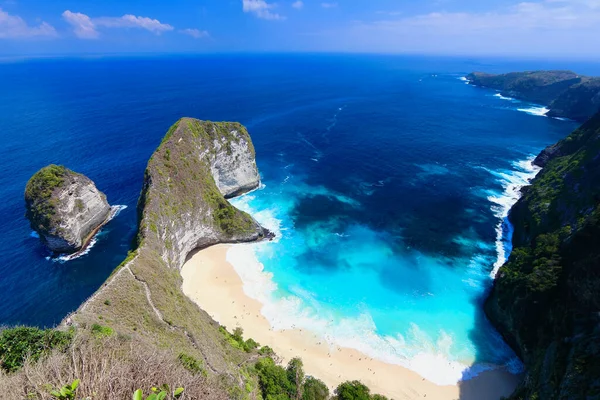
x=83, y=26
x=195, y=33
x=86, y=27
x=298, y=5
x=261, y=9
x=329, y=5
x=13, y=26
x=131, y=21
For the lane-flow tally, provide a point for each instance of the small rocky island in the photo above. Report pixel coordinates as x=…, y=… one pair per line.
x=65, y=208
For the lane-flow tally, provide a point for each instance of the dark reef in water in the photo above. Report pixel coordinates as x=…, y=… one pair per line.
x=565, y=93
x=546, y=298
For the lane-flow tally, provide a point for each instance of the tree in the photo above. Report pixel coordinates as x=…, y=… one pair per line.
x=295, y=374
x=352, y=390
x=314, y=389
x=273, y=380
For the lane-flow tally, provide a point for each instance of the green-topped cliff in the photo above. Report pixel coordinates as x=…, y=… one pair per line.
x=140, y=312
x=64, y=208
x=546, y=298
x=565, y=93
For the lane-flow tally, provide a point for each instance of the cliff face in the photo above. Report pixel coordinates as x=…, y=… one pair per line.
x=546, y=298
x=64, y=208
x=565, y=93
x=182, y=207
x=183, y=204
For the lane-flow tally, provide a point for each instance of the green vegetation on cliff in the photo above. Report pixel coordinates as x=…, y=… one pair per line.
x=38, y=194
x=566, y=94
x=546, y=298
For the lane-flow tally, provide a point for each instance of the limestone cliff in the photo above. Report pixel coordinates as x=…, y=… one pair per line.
x=65, y=208
x=546, y=298
x=565, y=93
x=182, y=207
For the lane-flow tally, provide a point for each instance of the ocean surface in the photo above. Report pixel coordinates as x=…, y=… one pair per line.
x=386, y=179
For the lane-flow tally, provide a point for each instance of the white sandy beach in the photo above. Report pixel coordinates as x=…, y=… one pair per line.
x=211, y=282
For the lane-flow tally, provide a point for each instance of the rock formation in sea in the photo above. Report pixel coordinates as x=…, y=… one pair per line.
x=565, y=93
x=65, y=208
x=546, y=298
x=182, y=207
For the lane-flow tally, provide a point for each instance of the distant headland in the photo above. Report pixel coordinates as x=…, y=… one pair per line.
x=565, y=93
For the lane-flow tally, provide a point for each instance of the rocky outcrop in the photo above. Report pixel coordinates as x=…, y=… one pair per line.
x=565, y=93
x=546, y=298
x=183, y=205
x=65, y=208
x=182, y=208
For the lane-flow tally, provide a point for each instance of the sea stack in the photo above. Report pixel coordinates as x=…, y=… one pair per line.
x=65, y=208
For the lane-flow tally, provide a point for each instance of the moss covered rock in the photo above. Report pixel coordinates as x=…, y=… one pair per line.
x=65, y=208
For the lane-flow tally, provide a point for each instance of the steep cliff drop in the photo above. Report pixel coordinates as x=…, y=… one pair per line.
x=565, y=93
x=65, y=208
x=546, y=298
x=182, y=208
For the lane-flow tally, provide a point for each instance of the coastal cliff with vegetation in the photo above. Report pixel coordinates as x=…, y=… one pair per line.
x=565, y=93
x=546, y=298
x=139, y=330
x=65, y=208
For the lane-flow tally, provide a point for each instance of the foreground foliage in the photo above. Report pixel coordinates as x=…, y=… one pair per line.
x=22, y=343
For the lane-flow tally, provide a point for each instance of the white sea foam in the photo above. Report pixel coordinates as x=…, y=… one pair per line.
x=498, y=95
x=463, y=78
x=512, y=182
x=429, y=356
x=535, y=110
x=115, y=210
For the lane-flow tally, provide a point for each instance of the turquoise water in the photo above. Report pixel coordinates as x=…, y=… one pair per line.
x=386, y=179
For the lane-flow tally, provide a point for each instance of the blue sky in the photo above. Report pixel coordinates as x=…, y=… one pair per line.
x=537, y=28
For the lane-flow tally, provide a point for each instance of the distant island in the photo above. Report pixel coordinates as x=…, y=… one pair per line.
x=565, y=93
x=65, y=208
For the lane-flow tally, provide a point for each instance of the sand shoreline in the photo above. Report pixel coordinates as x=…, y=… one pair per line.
x=211, y=282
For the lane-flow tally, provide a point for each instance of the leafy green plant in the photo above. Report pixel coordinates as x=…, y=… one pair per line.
x=100, y=331
x=159, y=394
x=191, y=364
x=67, y=392
x=17, y=344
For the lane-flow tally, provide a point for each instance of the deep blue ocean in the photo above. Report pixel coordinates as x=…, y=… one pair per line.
x=385, y=177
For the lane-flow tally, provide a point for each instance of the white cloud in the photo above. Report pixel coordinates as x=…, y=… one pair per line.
x=298, y=5
x=561, y=27
x=329, y=5
x=261, y=9
x=83, y=27
x=131, y=21
x=86, y=27
x=13, y=26
x=195, y=33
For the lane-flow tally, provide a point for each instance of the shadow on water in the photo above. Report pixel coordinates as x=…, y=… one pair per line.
x=492, y=384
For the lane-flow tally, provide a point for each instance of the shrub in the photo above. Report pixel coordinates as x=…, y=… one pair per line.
x=17, y=344
x=314, y=389
x=100, y=331
x=352, y=390
x=191, y=364
x=273, y=380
